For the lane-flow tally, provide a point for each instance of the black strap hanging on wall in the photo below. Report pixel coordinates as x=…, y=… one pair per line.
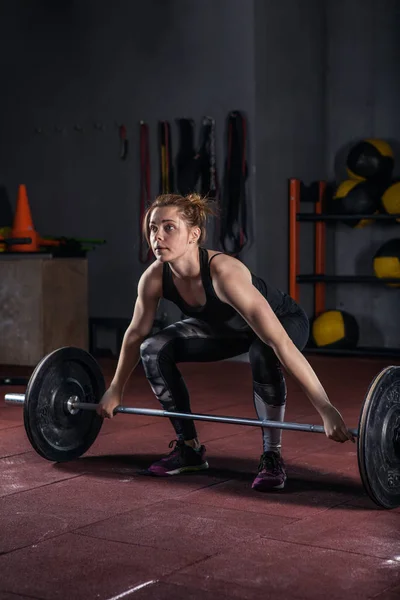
x=166, y=163
x=208, y=160
x=187, y=160
x=233, y=225
x=123, y=143
x=145, y=193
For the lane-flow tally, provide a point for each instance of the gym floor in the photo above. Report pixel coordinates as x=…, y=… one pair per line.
x=98, y=528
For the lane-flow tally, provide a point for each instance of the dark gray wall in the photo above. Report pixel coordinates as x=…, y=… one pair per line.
x=113, y=63
x=311, y=75
x=290, y=130
x=363, y=57
x=326, y=75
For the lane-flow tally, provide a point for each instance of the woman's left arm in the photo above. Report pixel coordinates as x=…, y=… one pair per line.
x=233, y=285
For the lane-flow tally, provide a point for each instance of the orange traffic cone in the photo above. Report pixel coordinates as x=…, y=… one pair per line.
x=23, y=224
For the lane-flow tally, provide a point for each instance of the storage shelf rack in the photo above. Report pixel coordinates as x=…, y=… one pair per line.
x=315, y=195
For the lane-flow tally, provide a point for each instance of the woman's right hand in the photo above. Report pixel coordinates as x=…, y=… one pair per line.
x=335, y=427
x=108, y=403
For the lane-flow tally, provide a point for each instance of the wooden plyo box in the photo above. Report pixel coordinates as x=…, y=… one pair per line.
x=43, y=306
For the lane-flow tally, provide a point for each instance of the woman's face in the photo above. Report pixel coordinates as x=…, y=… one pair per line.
x=170, y=237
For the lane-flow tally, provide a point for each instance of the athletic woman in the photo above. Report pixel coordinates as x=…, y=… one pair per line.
x=230, y=311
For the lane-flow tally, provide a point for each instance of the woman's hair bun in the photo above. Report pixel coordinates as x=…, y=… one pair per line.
x=196, y=199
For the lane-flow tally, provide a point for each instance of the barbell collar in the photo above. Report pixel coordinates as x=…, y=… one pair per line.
x=14, y=398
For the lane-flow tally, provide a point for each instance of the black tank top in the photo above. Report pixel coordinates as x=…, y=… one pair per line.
x=214, y=310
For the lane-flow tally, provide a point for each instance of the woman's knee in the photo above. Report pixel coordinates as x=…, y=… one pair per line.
x=268, y=380
x=166, y=343
x=264, y=363
x=148, y=348
x=155, y=349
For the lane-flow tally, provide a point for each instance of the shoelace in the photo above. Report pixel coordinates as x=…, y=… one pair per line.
x=270, y=461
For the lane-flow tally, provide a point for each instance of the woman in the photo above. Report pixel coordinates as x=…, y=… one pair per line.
x=231, y=311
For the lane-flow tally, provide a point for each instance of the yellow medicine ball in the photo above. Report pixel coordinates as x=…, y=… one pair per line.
x=370, y=159
x=390, y=200
x=387, y=261
x=335, y=329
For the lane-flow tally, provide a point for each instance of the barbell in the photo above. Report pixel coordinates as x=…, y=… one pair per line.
x=61, y=421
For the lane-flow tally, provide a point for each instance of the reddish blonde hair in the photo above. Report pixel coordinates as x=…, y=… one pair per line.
x=193, y=209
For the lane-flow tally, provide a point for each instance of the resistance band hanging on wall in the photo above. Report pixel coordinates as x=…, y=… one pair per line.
x=208, y=160
x=209, y=184
x=233, y=232
x=187, y=160
x=123, y=143
x=145, y=193
x=192, y=164
x=166, y=164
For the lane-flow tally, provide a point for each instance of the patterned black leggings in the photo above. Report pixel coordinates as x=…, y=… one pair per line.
x=193, y=340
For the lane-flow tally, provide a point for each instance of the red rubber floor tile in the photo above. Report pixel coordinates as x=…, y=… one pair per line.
x=349, y=529
x=367, y=503
x=11, y=596
x=70, y=566
x=336, y=462
x=207, y=530
x=300, y=498
x=36, y=515
x=279, y=569
x=10, y=416
x=171, y=591
x=14, y=441
x=122, y=471
x=118, y=456
x=27, y=471
x=134, y=441
x=389, y=594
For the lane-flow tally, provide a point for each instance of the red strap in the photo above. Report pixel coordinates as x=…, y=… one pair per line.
x=145, y=193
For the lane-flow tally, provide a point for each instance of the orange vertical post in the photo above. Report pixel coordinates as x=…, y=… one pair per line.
x=294, y=232
x=320, y=241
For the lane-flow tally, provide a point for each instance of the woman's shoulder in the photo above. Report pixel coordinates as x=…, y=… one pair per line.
x=223, y=263
x=151, y=278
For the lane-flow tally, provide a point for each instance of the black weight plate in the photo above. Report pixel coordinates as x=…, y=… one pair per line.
x=379, y=439
x=53, y=431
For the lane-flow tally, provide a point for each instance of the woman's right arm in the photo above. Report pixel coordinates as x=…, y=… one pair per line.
x=149, y=294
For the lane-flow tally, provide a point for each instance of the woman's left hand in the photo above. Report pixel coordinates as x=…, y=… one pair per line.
x=335, y=427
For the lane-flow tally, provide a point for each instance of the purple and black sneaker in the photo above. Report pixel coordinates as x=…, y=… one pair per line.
x=271, y=473
x=182, y=459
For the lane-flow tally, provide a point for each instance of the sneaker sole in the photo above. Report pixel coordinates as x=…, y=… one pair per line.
x=192, y=469
x=264, y=487
x=202, y=467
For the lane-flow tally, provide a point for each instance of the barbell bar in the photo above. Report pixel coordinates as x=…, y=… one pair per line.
x=65, y=388
x=73, y=404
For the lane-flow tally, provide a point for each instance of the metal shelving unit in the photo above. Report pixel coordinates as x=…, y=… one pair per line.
x=315, y=194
